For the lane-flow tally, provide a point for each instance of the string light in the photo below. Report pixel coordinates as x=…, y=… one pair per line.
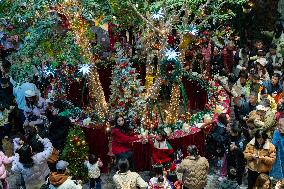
x=173, y=110
x=79, y=27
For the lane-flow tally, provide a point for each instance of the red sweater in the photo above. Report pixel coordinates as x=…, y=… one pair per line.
x=121, y=142
x=161, y=156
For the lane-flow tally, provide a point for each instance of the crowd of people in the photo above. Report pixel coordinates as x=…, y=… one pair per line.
x=245, y=144
x=248, y=143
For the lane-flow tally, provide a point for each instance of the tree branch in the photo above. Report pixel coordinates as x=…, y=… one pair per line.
x=146, y=20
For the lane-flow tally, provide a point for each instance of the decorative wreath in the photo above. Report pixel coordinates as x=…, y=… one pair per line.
x=171, y=69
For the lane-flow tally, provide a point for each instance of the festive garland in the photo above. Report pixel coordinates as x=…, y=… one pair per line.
x=218, y=102
x=218, y=99
x=171, y=70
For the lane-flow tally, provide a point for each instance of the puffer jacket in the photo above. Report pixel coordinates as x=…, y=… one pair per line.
x=266, y=156
x=129, y=180
x=37, y=173
x=194, y=170
x=4, y=160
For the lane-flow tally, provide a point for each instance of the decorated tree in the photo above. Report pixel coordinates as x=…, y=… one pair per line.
x=75, y=152
x=54, y=33
x=126, y=90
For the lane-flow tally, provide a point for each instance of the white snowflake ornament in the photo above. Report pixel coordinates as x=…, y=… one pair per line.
x=171, y=54
x=85, y=69
x=158, y=15
x=47, y=71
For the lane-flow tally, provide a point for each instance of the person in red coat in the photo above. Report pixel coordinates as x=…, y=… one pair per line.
x=161, y=149
x=228, y=58
x=122, y=141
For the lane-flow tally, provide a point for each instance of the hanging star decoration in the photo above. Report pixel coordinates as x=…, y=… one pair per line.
x=47, y=71
x=85, y=69
x=171, y=54
x=158, y=15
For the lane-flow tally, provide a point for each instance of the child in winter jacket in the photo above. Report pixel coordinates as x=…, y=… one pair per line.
x=159, y=181
x=94, y=173
x=60, y=179
x=161, y=149
x=3, y=174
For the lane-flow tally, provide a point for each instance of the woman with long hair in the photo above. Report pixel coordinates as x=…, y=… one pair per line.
x=262, y=182
x=122, y=141
x=32, y=166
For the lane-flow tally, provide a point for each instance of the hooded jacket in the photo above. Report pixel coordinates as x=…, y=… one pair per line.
x=62, y=181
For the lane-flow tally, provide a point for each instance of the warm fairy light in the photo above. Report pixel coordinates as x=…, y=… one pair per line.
x=172, y=115
x=80, y=29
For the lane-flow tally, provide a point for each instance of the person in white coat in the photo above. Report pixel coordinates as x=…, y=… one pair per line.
x=33, y=167
x=125, y=178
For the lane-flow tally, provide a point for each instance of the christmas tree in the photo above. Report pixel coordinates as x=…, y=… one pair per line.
x=126, y=90
x=75, y=152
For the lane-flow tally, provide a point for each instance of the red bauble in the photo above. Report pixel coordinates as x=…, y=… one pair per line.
x=206, y=33
x=123, y=65
x=131, y=72
x=122, y=104
x=136, y=95
x=76, y=139
x=228, y=28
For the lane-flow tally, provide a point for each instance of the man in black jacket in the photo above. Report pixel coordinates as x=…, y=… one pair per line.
x=58, y=129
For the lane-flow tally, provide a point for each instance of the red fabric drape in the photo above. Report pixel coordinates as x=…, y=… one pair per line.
x=74, y=93
x=197, y=96
x=97, y=139
x=142, y=152
x=105, y=78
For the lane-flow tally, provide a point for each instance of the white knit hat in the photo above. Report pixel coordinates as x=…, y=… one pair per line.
x=29, y=93
x=62, y=165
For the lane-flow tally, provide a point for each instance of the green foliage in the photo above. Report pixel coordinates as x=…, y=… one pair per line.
x=76, y=152
x=126, y=90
